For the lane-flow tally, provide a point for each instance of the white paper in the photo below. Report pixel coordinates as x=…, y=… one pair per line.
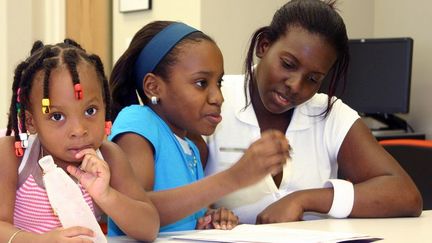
x=268, y=233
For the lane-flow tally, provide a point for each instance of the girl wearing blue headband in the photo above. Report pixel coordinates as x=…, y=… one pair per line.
x=175, y=72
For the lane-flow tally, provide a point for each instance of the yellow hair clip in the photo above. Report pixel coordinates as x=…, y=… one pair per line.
x=45, y=106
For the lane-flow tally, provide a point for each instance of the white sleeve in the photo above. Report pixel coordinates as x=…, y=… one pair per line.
x=339, y=121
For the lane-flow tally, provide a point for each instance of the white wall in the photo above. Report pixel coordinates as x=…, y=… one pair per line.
x=21, y=23
x=359, y=17
x=231, y=23
x=17, y=31
x=125, y=25
x=3, y=64
x=49, y=20
x=413, y=19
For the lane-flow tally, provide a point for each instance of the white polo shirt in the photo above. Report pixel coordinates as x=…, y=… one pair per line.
x=315, y=141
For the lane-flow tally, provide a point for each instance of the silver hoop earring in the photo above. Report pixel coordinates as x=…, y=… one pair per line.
x=154, y=100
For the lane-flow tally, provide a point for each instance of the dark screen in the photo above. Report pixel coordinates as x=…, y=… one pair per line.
x=379, y=76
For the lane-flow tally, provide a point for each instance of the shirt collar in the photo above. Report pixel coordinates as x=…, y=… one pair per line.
x=301, y=119
x=245, y=113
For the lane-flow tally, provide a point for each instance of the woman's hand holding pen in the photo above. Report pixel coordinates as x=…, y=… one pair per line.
x=265, y=156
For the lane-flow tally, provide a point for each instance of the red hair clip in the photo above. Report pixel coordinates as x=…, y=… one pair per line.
x=108, y=126
x=78, y=91
x=19, y=151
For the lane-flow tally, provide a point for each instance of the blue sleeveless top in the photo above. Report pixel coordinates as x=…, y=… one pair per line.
x=173, y=168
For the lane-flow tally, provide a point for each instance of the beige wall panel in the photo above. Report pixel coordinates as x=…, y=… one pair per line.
x=359, y=17
x=89, y=23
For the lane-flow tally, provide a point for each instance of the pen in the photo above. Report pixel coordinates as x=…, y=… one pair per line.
x=231, y=149
x=238, y=149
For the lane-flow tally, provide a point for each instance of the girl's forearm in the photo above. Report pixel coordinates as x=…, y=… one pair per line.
x=382, y=196
x=386, y=196
x=9, y=231
x=175, y=204
x=137, y=219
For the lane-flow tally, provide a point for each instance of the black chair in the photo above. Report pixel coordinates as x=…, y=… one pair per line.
x=415, y=156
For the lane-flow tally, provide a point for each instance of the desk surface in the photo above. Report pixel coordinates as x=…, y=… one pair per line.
x=390, y=229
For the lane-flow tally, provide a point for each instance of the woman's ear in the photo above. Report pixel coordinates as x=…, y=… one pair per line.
x=29, y=123
x=262, y=47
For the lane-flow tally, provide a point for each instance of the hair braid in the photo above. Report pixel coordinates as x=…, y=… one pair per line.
x=71, y=59
x=70, y=42
x=101, y=73
x=37, y=46
x=13, y=109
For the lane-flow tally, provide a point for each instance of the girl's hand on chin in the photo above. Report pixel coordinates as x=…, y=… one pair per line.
x=93, y=173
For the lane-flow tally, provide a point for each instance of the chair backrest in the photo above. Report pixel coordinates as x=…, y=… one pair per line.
x=415, y=156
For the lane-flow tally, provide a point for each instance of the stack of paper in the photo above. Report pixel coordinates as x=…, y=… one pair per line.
x=270, y=233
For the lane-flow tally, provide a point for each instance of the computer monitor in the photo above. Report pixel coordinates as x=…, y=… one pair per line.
x=379, y=76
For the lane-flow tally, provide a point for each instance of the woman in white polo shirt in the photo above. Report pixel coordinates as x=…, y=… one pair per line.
x=306, y=41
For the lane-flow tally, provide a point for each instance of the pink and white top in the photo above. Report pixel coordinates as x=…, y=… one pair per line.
x=33, y=210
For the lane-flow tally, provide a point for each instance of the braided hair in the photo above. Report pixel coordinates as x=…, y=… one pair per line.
x=46, y=58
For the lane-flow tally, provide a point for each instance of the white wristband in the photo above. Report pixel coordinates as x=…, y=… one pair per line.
x=343, y=198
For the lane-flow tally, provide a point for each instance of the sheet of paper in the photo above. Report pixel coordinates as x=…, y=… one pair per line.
x=268, y=233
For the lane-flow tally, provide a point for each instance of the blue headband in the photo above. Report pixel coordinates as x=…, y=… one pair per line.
x=158, y=47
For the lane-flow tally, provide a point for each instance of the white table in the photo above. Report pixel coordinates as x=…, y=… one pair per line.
x=392, y=230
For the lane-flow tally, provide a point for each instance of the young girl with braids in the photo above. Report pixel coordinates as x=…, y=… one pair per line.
x=61, y=100
x=177, y=72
